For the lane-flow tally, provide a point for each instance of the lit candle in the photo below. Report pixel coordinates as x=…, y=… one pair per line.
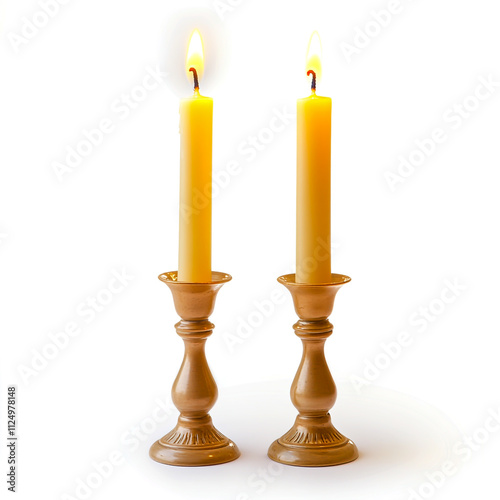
x=314, y=117
x=195, y=222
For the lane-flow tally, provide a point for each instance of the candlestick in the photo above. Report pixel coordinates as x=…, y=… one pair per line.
x=313, y=441
x=194, y=441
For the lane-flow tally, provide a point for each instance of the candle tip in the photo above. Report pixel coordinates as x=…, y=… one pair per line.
x=195, y=79
x=313, y=81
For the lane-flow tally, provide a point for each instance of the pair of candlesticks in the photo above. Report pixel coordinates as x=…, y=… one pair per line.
x=312, y=441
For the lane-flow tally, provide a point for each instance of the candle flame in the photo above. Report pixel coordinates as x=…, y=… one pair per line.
x=194, y=58
x=313, y=59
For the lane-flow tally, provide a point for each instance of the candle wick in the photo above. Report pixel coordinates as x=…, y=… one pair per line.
x=313, y=81
x=195, y=78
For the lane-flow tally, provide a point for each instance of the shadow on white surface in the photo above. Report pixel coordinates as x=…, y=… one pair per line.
x=399, y=439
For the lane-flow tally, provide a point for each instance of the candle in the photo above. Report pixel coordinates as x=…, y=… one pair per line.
x=195, y=221
x=314, y=116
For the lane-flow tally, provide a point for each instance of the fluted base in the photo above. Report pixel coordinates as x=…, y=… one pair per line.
x=194, y=442
x=313, y=442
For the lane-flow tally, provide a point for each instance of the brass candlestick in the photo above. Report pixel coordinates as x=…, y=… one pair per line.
x=194, y=441
x=313, y=441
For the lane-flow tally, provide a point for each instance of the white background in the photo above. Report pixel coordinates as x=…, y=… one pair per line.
x=63, y=237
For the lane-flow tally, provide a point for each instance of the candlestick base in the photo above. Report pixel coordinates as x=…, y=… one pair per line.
x=194, y=441
x=313, y=441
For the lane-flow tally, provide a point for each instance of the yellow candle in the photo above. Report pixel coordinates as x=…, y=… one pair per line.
x=195, y=222
x=314, y=117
